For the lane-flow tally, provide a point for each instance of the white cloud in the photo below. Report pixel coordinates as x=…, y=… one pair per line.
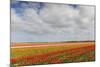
x=56, y=19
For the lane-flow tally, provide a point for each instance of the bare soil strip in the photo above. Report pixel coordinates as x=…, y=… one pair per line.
x=55, y=44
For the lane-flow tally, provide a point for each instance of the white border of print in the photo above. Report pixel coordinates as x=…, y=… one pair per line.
x=89, y=2
x=5, y=33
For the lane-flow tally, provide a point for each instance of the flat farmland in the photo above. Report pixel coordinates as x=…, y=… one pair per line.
x=23, y=54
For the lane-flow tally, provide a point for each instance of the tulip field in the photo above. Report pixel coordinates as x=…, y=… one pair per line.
x=52, y=54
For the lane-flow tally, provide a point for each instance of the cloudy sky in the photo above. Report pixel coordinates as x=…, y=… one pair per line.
x=50, y=22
